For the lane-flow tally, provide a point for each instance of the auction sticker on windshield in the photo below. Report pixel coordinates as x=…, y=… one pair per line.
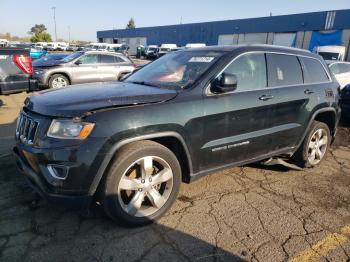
x=201, y=59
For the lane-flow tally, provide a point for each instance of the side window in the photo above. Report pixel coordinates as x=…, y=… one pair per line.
x=335, y=68
x=89, y=59
x=107, y=59
x=119, y=59
x=250, y=70
x=314, y=71
x=284, y=70
x=344, y=68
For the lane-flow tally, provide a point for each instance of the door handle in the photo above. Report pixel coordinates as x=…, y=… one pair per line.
x=266, y=97
x=308, y=92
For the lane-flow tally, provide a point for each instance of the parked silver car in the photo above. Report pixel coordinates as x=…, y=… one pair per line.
x=83, y=67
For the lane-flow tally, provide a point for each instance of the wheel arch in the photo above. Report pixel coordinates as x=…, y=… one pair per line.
x=325, y=115
x=172, y=140
x=59, y=73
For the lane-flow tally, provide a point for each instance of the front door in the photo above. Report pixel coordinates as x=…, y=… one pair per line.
x=85, y=70
x=237, y=124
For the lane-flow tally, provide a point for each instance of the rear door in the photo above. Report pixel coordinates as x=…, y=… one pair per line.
x=292, y=99
x=109, y=67
x=86, y=70
x=237, y=124
x=285, y=79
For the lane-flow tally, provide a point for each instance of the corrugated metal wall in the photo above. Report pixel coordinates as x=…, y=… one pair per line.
x=289, y=30
x=209, y=32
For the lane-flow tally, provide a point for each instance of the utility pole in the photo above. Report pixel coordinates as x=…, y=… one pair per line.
x=54, y=20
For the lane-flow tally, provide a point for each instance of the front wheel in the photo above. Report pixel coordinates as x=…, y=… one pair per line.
x=142, y=183
x=58, y=81
x=315, y=146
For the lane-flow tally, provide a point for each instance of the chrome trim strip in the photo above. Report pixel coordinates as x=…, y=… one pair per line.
x=250, y=135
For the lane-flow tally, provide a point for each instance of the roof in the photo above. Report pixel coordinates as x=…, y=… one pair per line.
x=254, y=47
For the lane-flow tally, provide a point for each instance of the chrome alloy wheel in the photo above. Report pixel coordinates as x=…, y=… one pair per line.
x=59, y=82
x=145, y=186
x=317, y=146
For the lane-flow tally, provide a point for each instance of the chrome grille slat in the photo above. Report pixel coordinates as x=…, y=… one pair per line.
x=27, y=129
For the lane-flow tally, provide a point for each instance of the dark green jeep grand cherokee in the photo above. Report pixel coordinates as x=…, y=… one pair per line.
x=193, y=112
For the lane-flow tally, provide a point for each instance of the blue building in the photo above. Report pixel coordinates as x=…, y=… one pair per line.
x=300, y=30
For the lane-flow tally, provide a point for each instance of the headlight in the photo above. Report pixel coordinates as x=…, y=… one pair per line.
x=38, y=71
x=69, y=129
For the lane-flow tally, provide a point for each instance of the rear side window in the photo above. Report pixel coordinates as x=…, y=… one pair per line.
x=250, y=70
x=107, y=59
x=119, y=59
x=314, y=71
x=283, y=70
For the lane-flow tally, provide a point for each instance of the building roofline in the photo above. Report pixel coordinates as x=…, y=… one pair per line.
x=228, y=20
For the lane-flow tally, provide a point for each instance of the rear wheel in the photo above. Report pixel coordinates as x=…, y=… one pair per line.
x=58, y=81
x=315, y=146
x=142, y=183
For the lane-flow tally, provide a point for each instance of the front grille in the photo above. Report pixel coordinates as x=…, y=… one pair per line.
x=26, y=129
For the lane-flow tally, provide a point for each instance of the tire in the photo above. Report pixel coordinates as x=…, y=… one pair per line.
x=137, y=203
x=58, y=81
x=307, y=151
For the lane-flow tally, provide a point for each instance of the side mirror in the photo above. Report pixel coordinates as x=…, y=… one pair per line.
x=224, y=83
x=78, y=62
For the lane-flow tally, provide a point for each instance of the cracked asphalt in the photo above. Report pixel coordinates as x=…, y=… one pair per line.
x=250, y=213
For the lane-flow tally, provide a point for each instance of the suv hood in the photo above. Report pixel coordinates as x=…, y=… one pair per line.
x=74, y=101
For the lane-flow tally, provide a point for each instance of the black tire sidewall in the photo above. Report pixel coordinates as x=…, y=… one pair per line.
x=114, y=175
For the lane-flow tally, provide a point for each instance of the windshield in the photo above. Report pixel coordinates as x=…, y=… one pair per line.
x=72, y=57
x=176, y=70
x=329, y=56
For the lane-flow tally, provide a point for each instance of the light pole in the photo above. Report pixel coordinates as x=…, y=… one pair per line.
x=54, y=20
x=69, y=34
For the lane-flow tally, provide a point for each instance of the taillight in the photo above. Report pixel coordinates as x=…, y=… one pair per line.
x=24, y=63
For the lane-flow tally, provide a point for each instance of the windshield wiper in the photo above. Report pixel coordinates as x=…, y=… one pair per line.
x=143, y=83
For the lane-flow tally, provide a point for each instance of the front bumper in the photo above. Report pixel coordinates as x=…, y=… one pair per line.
x=81, y=202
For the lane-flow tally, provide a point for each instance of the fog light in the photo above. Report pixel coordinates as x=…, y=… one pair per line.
x=58, y=172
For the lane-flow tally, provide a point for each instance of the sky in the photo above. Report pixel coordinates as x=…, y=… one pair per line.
x=85, y=17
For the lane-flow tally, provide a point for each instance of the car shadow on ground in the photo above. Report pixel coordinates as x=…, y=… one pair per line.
x=39, y=229
x=7, y=134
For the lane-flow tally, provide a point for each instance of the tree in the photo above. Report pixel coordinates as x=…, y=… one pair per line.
x=131, y=24
x=39, y=34
x=37, y=28
x=41, y=37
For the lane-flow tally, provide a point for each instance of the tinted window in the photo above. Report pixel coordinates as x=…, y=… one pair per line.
x=107, y=59
x=284, y=70
x=89, y=59
x=314, y=71
x=250, y=70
